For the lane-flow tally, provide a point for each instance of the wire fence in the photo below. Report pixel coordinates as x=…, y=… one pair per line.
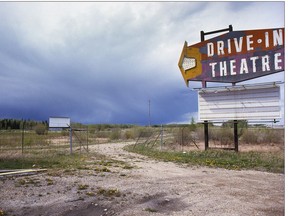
x=172, y=138
x=26, y=141
x=23, y=141
x=188, y=138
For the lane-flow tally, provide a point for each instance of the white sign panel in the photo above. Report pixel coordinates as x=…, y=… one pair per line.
x=59, y=122
x=239, y=103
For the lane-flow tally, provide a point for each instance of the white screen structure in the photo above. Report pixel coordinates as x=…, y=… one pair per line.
x=59, y=122
x=239, y=103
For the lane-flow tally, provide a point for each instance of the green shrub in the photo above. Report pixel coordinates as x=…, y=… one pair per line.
x=226, y=136
x=143, y=132
x=109, y=192
x=65, y=133
x=115, y=134
x=262, y=135
x=128, y=134
x=40, y=129
x=273, y=136
x=183, y=136
x=249, y=136
x=83, y=187
x=200, y=133
x=223, y=135
x=102, y=134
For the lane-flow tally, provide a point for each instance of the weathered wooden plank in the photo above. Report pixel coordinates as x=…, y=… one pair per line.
x=25, y=171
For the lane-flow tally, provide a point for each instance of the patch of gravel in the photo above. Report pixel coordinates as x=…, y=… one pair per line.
x=147, y=187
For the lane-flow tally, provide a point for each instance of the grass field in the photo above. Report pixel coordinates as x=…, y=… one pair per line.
x=61, y=161
x=262, y=161
x=51, y=150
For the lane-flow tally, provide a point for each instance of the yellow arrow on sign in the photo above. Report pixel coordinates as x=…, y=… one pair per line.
x=190, y=62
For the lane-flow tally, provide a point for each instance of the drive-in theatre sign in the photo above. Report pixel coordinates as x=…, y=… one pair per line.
x=234, y=57
x=231, y=58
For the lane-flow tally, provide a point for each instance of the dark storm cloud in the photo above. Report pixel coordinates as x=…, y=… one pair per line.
x=102, y=62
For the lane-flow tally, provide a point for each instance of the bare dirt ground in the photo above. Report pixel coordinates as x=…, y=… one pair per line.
x=145, y=187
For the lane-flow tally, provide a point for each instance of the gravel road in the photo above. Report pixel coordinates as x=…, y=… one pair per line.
x=145, y=187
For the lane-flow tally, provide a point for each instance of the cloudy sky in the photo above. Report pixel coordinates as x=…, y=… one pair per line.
x=101, y=62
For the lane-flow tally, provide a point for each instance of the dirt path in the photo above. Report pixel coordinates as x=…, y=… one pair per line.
x=149, y=187
x=201, y=190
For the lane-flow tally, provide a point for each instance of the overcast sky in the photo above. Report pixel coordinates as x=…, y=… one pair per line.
x=101, y=62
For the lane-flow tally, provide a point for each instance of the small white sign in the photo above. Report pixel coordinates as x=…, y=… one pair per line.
x=59, y=122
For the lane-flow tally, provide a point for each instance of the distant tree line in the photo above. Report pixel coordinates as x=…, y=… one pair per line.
x=14, y=124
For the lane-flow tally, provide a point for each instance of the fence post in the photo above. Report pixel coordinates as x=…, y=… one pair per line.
x=70, y=140
x=23, y=128
x=161, y=143
x=182, y=139
x=87, y=137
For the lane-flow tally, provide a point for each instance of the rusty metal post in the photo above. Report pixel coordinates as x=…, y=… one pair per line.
x=206, y=136
x=230, y=28
x=235, y=130
x=204, y=85
x=236, y=135
x=206, y=127
x=206, y=130
x=202, y=35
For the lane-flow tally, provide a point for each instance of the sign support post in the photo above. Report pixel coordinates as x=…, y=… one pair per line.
x=204, y=85
x=206, y=136
x=236, y=135
x=235, y=130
